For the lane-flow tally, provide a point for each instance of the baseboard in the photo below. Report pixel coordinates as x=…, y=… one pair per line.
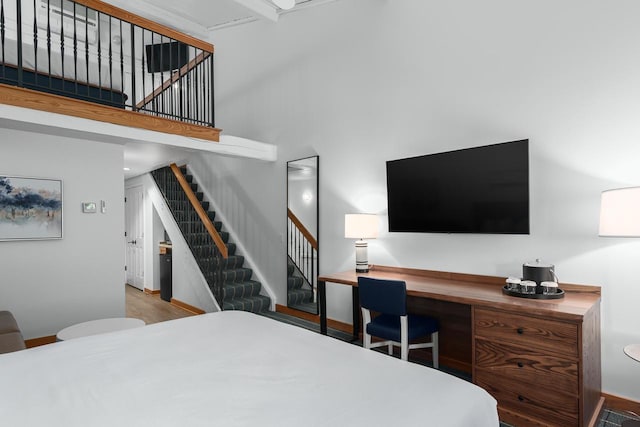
x=187, y=307
x=151, y=292
x=618, y=403
x=335, y=324
x=37, y=342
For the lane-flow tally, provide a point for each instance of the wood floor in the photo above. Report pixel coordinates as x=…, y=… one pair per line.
x=151, y=308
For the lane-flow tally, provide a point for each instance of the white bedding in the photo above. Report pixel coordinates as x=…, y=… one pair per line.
x=104, y=80
x=229, y=369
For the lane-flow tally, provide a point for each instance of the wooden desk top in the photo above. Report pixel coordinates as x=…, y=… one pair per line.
x=479, y=291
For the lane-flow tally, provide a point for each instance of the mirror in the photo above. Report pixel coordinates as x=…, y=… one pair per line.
x=302, y=234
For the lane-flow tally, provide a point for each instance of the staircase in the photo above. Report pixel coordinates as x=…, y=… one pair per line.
x=298, y=293
x=229, y=280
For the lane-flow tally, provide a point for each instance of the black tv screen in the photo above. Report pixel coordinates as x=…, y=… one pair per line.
x=166, y=56
x=475, y=190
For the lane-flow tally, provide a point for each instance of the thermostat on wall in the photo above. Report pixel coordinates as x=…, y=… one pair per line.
x=89, y=207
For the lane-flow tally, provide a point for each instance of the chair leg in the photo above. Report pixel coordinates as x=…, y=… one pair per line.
x=366, y=319
x=434, y=349
x=404, y=338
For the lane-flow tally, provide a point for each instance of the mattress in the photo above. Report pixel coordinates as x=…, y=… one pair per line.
x=105, y=79
x=229, y=369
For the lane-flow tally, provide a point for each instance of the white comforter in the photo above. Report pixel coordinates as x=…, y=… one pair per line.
x=229, y=369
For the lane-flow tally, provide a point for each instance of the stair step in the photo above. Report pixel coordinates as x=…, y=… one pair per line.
x=248, y=288
x=299, y=296
x=294, y=282
x=255, y=304
x=239, y=291
x=236, y=275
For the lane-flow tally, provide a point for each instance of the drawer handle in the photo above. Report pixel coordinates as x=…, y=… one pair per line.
x=520, y=331
x=520, y=398
x=520, y=365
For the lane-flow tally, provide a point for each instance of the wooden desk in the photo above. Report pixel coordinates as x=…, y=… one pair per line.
x=539, y=358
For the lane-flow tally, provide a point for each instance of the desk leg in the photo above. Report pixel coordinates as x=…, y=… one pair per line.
x=355, y=302
x=322, y=297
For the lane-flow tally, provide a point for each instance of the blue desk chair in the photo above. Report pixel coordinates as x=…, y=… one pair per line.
x=394, y=325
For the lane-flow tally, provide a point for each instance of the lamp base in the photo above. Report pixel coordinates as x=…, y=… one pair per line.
x=362, y=258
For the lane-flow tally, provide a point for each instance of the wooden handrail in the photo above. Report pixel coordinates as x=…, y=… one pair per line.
x=303, y=229
x=174, y=78
x=200, y=210
x=145, y=23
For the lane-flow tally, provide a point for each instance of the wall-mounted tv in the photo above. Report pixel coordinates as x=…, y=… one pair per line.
x=476, y=190
x=166, y=56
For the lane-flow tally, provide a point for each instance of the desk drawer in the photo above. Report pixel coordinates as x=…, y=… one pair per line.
x=527, y=366
x=527, y=332
x=547, y=405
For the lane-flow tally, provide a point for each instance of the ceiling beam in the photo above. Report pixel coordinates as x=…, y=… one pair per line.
x=261, y=8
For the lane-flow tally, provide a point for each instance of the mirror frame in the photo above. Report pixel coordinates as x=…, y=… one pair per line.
x=296, y=237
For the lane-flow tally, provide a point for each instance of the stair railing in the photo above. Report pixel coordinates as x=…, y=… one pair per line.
x=303, y=249
x=206, y=221
x=96, y=52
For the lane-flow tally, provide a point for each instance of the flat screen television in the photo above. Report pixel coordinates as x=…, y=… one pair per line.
x=166, y=56
x=476, y=190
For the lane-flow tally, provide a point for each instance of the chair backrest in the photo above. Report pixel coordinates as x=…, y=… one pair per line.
x=383, y=296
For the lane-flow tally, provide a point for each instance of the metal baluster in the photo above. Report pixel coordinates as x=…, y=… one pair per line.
x=180, y=77
x=62, y=45
x=121, y=57
x=35, y=42
x=162, y=109
x=144, y=74
x=99, y=57
x=19, y=39
x=213, y=121
x=133, y=69
x=49, y=43
x=2, y=36
x=110, y=59
x=86, y=47
x=75, y=46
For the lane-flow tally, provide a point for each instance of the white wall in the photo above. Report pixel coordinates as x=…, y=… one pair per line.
x=52, y=284
x=360, y=82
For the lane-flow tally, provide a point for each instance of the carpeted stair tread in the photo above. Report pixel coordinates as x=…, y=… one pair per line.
x=299, y=296
x=255, y=304
x=294, y=282
x=248, y=288
x=236, y=275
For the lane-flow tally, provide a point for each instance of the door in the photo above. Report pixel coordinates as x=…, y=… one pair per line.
x=134, y=236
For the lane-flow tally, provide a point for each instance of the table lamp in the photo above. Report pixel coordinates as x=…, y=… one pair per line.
x=361, y=226
x=620, y=217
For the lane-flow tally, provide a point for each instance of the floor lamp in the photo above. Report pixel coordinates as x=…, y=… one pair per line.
x=361, y=226
x=620, y=217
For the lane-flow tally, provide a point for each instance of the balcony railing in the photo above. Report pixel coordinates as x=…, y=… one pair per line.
x=92, y=51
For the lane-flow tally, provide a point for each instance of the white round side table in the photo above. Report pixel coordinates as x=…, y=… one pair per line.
x=100, y=326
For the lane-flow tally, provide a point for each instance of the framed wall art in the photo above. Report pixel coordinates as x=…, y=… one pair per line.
x=30, y=208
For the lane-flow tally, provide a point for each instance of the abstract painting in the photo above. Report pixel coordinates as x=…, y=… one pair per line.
x=30, y=208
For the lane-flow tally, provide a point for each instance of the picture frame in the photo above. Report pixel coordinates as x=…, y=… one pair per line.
x=30, y=208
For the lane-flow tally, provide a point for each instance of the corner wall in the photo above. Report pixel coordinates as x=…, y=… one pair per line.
x=52, y=284
x=360, y=82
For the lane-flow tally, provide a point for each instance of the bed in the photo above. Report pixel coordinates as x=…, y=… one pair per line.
x=104, y=87
x=229, y=369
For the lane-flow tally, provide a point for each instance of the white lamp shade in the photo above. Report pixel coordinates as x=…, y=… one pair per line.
x=360, y=226
x=620, y=212
x=285, y=4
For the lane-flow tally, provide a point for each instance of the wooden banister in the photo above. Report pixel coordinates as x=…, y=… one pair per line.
x=174, y=78
x=307, y=235
x=145, y=23
x=200, y=210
